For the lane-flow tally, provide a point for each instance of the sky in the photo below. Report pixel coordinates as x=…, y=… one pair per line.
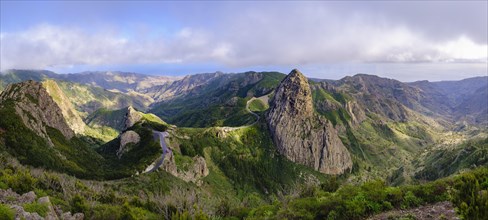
x=408, y=41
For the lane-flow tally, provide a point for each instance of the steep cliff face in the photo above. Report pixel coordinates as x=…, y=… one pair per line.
x=126, y=138
x=300, y=134
x=36, y=108
x=70, y=114
x=196, y=170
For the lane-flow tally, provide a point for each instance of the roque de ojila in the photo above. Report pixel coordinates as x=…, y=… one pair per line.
x=243, y=110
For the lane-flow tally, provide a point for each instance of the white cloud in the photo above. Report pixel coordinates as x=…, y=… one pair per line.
x=463, y=49
x=54, y=46
x=251, y=38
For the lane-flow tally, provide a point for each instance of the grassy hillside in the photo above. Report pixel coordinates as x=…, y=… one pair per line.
x=221, y=102
x=156, y=195
x=467, y=192
x=75, y=156
x=15, y=76
x=136, y=159
x=88, y=99
x=70, y=156
x=440, y=162
x=381, y=147
x=105, y=117
x=85, y=98
x=245, y=156
x=257, y=105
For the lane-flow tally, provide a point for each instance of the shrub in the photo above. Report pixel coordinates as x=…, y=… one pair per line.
x=330, y=185
x=410, y=200
x=6, y=212
x=107, y=212
x=332, y=215
x=21, y=181
x=78, y=204
x=470, y=197
x=39, y=208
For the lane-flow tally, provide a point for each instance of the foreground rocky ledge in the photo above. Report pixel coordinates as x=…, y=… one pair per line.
x=16, y=202
x=440, y=210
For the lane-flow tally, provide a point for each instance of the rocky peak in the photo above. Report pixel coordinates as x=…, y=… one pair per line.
x=294, y=96
x=132, y=117
x=36, y=107
x=301, y=135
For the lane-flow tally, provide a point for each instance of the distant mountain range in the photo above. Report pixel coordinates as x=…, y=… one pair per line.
x=255, y=131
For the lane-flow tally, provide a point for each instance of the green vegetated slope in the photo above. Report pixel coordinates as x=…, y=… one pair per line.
x=57, y=151
x=101, y=110
x=443, y=162
x=399, y=132
x=160, y=195
x=75, y=156
x=21, y=142
x=382, y=145
x=85, y=98
x=88, y=99
x=57, y=147
x=105, y=117
x=467, y=191
x=15, y=76
x=258, y=105
x=139, y=155
x=221, y=102
x=245, y=172
x=246, y=157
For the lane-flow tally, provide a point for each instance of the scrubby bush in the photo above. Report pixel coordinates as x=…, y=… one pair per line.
x=36, y=207
x=470, y=195
x=6, y=212
x=79, y=204
x=21, y=181
x=410, y=200
x=108, y=212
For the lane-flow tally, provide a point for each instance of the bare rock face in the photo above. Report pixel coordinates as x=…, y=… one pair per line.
x=169, y=164
x=51, y=214
x=127, y=138
x=301, y=135
x=196, y=171
x=132, y=117
x=20, y=213
x=36, y=108
x=70, y=114
x=69, y=216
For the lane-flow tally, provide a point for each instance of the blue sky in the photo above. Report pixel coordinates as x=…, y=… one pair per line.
x=402, y=40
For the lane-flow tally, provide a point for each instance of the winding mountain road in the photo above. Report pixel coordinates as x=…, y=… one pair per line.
x=161, y=136
x=227, y=128
x=253, y=113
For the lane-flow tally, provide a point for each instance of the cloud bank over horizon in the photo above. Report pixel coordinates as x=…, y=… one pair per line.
x=320, y=37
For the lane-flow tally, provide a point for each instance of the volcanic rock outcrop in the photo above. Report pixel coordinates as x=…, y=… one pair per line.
x=37, y=109
x=302, y=135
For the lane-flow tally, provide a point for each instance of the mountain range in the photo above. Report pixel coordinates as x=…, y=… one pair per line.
x=240, y=139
